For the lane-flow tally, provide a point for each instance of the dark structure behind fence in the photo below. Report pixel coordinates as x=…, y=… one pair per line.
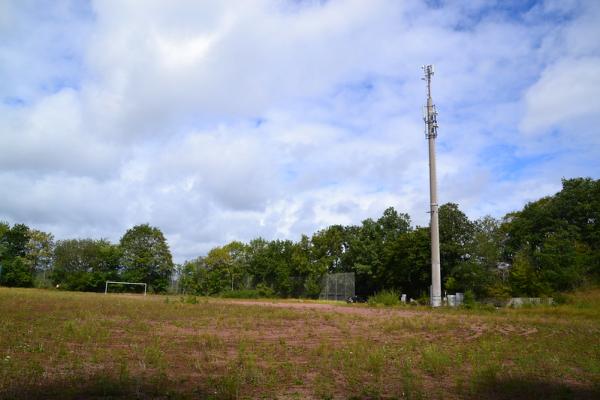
x=338, y=286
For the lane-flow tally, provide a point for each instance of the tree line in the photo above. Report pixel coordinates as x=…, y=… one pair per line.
x=551, y=245
x=26, y=255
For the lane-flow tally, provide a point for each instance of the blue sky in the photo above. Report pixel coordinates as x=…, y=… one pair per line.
x=220, y=121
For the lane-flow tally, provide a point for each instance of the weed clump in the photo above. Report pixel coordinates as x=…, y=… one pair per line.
x=385, y=297
x=469, y=299
x=189, y=299
x=435, y=361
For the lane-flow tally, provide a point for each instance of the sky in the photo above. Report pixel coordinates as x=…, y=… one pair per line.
x=229, y=120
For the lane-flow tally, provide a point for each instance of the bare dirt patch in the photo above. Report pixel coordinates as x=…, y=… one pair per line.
x=342, y=308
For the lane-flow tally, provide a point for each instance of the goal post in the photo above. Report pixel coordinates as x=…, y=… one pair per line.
x=124, y=283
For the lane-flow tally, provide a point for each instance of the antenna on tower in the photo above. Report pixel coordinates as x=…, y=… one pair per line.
x=431, y=133
x=430, y=113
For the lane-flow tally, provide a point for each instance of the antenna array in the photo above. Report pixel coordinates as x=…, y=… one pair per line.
x=430, y=113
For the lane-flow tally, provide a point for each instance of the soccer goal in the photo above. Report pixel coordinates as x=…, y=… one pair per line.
x=124, y=283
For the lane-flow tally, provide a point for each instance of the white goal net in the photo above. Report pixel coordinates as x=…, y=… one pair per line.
x=124, y=283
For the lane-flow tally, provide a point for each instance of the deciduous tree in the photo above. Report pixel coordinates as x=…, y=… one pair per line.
x=146, y=257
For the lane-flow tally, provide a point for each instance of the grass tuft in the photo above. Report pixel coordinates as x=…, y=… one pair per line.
x=385, y=298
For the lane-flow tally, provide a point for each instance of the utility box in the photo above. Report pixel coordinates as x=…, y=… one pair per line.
x=451, y=300
x=459, y=300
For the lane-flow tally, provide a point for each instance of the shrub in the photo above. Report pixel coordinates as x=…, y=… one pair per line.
x=264, y=290
x=560, y=298
x=424, y=299
x=469, y=299
x=16, y=273
x=189, y=299
x=385, y=297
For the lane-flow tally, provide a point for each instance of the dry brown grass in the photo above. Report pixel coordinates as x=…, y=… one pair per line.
x=83, y=345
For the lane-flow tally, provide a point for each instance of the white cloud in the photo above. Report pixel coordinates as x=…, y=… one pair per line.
x=223, y=120
x=567, y=91
x=51, y=137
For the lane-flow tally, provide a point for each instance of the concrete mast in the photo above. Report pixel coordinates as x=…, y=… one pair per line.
x=431, y=134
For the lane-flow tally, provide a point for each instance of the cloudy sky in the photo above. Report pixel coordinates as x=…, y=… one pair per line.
x=222, y=120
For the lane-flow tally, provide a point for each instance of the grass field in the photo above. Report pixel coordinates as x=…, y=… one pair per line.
x=63, y=345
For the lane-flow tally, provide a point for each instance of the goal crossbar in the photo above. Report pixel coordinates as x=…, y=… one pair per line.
x=124, y=283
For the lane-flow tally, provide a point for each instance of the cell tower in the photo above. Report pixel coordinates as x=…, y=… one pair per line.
x=431, y=133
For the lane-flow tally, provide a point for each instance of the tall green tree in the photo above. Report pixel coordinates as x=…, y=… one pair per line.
x=373, y=250
x=236, y=267
x=85, y=264
x=146, y=257
x=16, y=272
x=487, y=242
x=307, y=268
x=524, y=277
x=330, y=246
x=409, y=267
x=579, y=204
x=39, y=250
x=16, y=269
x=194, y=278
x=456, y=235
x=15, y=241
x=4, y=228
x=558, y=235
x=393, y=224
x=225, y=267
x=476, y=270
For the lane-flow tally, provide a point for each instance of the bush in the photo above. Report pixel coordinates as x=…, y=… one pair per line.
x=42, y=282
x=560, y=298
x=264, y=290
x=469, y=299
x=16, y=272
x=312, y=286
x=385, y=297
x=424, y=299
x=188, y=299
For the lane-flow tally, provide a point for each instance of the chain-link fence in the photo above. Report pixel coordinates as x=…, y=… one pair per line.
x=338, y=286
